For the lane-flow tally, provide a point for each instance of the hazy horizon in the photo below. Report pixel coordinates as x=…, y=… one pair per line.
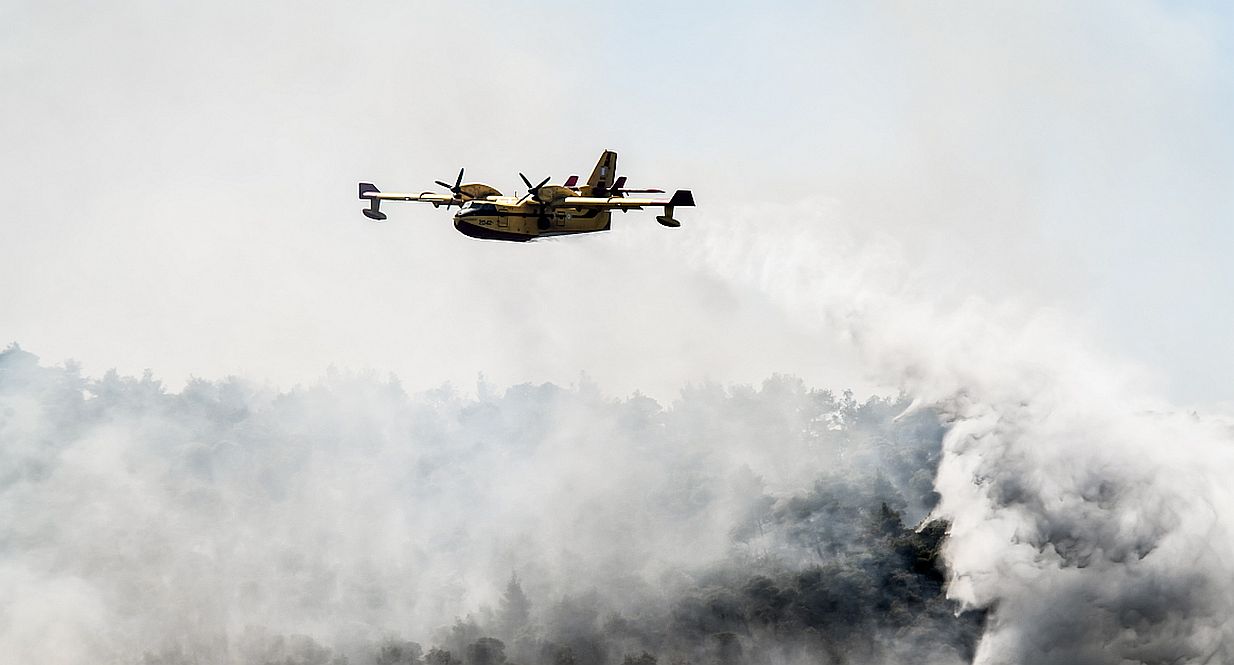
x=179, y=183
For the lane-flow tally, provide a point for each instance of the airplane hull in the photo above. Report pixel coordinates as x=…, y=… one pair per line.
x=522, y=227
x=486, y=233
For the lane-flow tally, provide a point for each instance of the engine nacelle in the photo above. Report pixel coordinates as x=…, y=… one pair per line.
x=477, y=190
x=552, y=193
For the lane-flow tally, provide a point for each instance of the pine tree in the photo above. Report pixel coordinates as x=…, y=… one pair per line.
x=515, y=611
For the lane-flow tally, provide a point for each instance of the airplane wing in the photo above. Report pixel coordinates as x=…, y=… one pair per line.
x=423, y=197
x=682, y=197
x=375, y=196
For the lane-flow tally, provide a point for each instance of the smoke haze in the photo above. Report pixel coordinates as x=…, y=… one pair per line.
x=1003, y=225
x=1084, y=520
x=198, y=164
x=205, y=525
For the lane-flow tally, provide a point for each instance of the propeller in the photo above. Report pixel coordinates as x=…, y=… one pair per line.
x=533, y=192
x=455, y=189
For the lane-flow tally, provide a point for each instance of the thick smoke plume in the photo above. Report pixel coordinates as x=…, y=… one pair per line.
x=1092, y=520
x=1098, y=529
x=1024, y=501
x=1076, y=518
x=350, y=521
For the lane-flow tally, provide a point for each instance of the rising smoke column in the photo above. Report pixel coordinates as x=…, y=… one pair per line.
x=1091, y=518
x=1099, y=531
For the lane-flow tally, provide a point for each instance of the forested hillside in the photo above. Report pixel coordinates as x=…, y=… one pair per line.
x=348, y=521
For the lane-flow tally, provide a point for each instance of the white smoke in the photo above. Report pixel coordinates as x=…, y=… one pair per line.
x=1098, y=530
x=1093, y=518
x=204, y=525
x=1034, y=141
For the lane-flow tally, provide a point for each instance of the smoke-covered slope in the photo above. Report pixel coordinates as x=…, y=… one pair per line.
x=1090, y=518
x=539, y=524
x=1086, y=523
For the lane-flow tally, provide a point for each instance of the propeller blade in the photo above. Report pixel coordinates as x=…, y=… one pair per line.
x=457, y=187
x=533, y=191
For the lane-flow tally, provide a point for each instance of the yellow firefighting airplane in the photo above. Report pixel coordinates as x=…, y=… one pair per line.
x=546, y=210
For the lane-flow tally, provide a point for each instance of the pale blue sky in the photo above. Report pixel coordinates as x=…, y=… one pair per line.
x=178, y=179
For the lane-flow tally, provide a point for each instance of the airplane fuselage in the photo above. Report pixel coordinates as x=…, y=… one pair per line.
x=505, y=218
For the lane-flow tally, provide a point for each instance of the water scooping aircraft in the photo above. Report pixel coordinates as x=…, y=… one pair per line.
x=545, y=210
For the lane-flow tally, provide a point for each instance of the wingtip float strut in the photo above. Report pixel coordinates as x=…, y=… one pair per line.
x=373, y=211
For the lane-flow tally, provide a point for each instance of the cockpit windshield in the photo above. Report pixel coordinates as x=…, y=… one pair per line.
x=479, y=207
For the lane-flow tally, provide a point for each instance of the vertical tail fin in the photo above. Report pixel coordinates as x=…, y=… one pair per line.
x=606, y=170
